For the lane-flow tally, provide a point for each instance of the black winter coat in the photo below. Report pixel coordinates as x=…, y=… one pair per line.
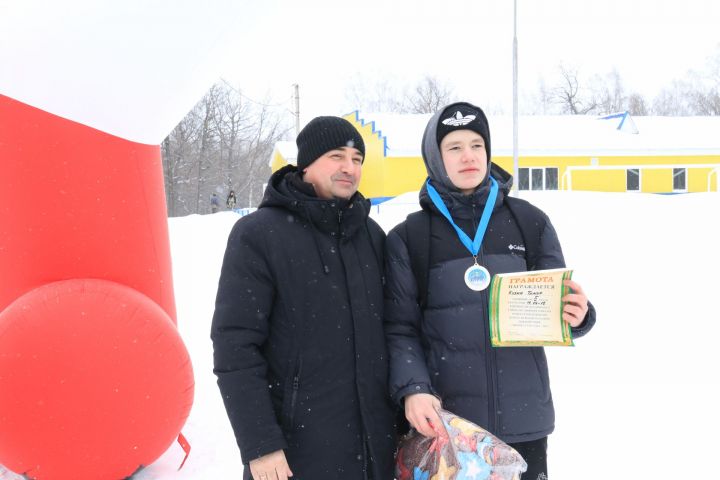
x=300, y=354
x=444, y=348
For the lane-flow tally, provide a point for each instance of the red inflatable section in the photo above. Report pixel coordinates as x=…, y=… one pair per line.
x=79, y=203
x=95, y=381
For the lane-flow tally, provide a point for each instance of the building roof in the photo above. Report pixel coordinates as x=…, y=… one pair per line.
x=541, y=135
x=556, y=135
x=287, y=150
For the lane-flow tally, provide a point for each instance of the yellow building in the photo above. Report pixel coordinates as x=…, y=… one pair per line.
x=617, y=153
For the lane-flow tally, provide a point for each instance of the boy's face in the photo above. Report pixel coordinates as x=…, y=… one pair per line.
x=465, y=159
x=335, y=174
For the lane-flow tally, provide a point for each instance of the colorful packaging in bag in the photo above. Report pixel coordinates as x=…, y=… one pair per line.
x=467, y=452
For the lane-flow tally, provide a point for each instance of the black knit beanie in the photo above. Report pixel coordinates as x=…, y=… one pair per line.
x=323, y=134
x=464, y=116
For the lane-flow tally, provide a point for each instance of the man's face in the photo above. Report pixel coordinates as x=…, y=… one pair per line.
x=465, y=158
x=336, y=174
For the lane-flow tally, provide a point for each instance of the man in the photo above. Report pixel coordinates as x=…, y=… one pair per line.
x=300, y=354
x=437, y=319
x=214, y=203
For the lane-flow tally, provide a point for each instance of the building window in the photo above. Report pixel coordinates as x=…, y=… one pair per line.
x=633, y=179
x=524, y=179
x=679, y=180
x=551, y=179
x=536, y=179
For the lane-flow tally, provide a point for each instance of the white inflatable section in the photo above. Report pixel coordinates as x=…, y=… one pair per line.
x=131, y=68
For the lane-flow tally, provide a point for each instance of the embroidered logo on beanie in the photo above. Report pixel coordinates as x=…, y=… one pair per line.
x=458, y=119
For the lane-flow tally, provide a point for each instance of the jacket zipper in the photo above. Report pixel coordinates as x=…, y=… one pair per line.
x=493, y=420
x=364, y=436
x=493, y=417
x=293, y=396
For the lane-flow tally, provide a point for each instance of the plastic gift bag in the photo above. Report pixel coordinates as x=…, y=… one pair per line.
x=468, y=452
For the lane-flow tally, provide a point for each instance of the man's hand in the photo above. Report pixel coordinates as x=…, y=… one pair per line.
x=576, y=304
x=272, y=466
x=421, y=410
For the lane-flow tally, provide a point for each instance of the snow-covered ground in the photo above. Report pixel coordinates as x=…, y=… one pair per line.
x=637, y=398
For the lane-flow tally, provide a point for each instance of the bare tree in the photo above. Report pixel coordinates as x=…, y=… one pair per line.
x=426, y=95
x=380, y=94
x=208, y=138
x=232, y=113
x=252, y=169
x=705, y=90
x=673, y=100
x=600, y=95
x=569, y=96
x=707, y=103
x=637, y=105
x=609, y=93
x=697, y=93
x=539, y=103
x=179, y=157
x=223, y=144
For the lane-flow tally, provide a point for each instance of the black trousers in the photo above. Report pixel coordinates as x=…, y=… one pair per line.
x=535, y=454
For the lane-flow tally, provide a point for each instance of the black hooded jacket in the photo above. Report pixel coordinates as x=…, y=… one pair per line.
x=443, y=347
x=297, y=333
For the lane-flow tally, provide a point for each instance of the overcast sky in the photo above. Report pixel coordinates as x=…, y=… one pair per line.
x=323, y=44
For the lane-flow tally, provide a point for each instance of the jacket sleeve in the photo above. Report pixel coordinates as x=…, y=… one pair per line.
x=408, y=370
x=239, y=330
x=550, y=256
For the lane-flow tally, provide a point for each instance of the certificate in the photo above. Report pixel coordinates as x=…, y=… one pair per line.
x=526, y=309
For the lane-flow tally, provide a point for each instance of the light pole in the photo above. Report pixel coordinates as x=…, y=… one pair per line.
x=516, y=163
x=296, y=98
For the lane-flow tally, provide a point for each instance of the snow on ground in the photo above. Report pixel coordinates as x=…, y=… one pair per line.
x=636, y=398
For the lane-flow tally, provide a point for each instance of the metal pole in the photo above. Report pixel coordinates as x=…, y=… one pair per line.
x=516, y=162
x=296, y=96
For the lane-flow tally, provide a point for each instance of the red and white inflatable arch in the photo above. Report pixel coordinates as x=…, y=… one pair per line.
x=95, y=381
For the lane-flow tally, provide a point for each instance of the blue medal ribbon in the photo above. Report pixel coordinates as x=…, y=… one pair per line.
x=472, y=245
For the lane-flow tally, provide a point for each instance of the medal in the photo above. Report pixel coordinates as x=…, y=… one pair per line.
x=477, y=278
